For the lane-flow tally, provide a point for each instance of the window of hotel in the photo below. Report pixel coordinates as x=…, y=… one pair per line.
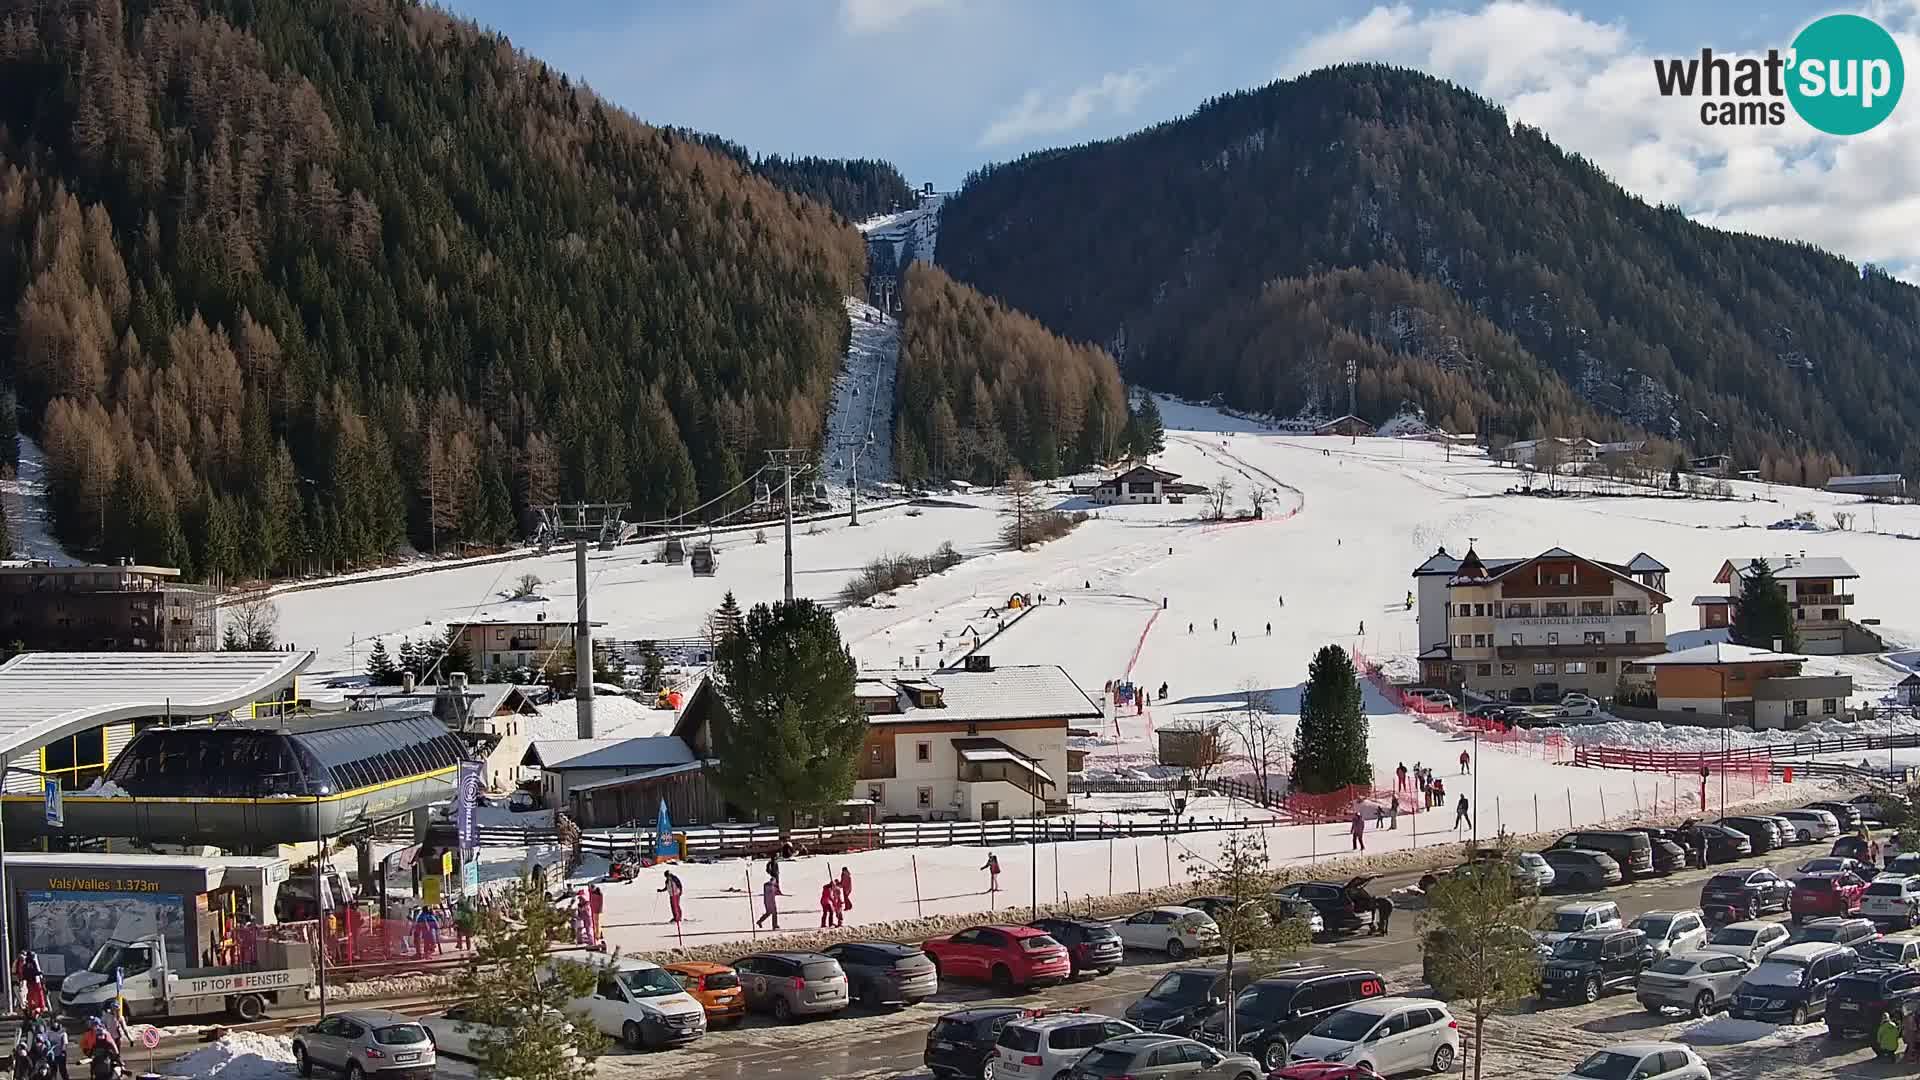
x=1479, y=611
x=1462, y=610
x=1553, y=637
x=1519, y=611
x=1516, y=639
x=1829, y=614
x=925, y=797
x=1576, y=667
x=1463, y=641
x=1485, y=670
x=1592, y=607
x=1481, y=641
x=1509, y=670
x=1799, y=708
x=1626, y=607
x=1556, y=607
x=1828, y=706
x=923, y=751
x=1544, y=669
x=1595, y=637
x=1631, y=635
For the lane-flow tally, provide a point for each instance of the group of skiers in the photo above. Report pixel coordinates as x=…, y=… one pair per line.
x=42, y=1051
x=836, y=896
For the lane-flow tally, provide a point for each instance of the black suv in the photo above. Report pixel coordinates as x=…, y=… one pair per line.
x=961, y=1043
x=1668, y=855
x=1762, y=832
x=1091, y=946
x=1749, y=890
x=1724, y=845
x=1184, y=998
x=1834, y=930
x=1333, y=902
x=1862, y=996
x=1271, y=1013
x=1593, y=961
x=1575, y=869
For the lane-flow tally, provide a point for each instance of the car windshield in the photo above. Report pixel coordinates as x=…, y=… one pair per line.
x=400, y=1035
x=1881, y=950
x=1104, y=1061
x=1530, y=860
x=108, y=958
x=1728, y=881
x=1180, y=986
x=1565, y=922
x=1347, y=1025
x=1829, y=932
x=1816, y=884
x=1195, y=920
x=1578, y=949
x=1655, y=925
x=1608, y=1065
x=1674, y=966
x=1777, y=973
x=649, y=982
x=1734, y=935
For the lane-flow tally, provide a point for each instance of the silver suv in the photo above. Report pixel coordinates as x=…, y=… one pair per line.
x=1044, y=1047
x=1699, y=982
x=367, y=1042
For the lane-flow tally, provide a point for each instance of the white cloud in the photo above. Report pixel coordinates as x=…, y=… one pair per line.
x=1589, y=85
x=876, y=16
x=1039, y=113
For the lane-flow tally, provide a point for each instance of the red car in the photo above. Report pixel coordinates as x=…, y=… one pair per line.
x=1831, y=893
x=1322, y=1070
x=1006, y=956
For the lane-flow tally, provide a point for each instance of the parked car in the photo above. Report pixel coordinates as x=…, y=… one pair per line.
x=1724, y=845
x=1576, y=869
x=1322, y=1070
x=1334, y=902
x=1531, y=870
x=1577, y=707
x=1879, y=807
x=1090, y=945
x=961, y=1043
x=1669, y=856
x=1593, y=961
x=1685, y=839
x=1811, y=824
x=1569, y=919
x=1791, y=985
x=1750, y=941
x=366, y=1042
x=1671, y=932
x=1854, y=847
x=1901, y=948
x=1907, y=865
x=1185, y=997
x=1520, y=695
x=716, y=987
x=641, y=1004
x=1829, y=864
x=1641, y=1061
x=1175, y=931
x=1848, y=815
x=1282, y=908
x=1695, y=981
x=1271, y=1013
x=1837, y=931
x=1046, y=1046
x=1434, y=946
x=1748, y=890
x=1162, y=1057
x=792, y=984
x=1764, y=832
x=1217, y=907
x=880, y=973
x=1816, y=895
x=1862, y=996
x=1006, y=956
x=1788, y=829
x=456, y=1032
x=1387, y=1035
x=1633, y=850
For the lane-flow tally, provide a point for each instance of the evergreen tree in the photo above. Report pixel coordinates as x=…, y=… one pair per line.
x=1330, y=749
x=1477, y=942
x=726, y=619
x=452, y=654
x=9, y=432
x=652, y=667
x=380, y=666
x=1250, y=933
x=489, y=518
x=1763, y=615
x=410, y=658
x=788, y=736
x=1146, y=434
x=522, y=1003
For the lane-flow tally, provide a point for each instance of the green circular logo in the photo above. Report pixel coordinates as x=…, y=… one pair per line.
x=1847, y=74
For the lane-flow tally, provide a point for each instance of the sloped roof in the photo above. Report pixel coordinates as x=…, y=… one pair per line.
x=641, y=776
x=1786, y=568
x=1644, y=563
x=1025, y=692
x=648, y=752
x=45, y=696
x=1718, y=652
x=1562, y=553
x=1711, y=600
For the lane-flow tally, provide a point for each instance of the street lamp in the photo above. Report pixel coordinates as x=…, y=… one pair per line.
x=1725, y=722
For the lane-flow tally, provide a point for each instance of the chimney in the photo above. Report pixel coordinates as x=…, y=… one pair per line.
x=406, y=682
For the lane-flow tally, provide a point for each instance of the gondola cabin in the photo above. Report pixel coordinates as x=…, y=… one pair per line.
x=702, y=562
x=673, y=552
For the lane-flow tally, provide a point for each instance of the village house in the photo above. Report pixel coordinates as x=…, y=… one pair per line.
x=1522, y=629
x=1348, y=425
x=502, y=641
x=1139, y=484
x=601, y=782
x=1818, y=591
x=106, y=608
x=1571, y=451
x=1873, y=486
x=1746, y=685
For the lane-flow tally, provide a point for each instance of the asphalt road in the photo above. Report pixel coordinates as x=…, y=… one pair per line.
x=858, y=1045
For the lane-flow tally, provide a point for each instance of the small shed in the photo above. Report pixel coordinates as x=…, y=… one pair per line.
x=1190, y=747
x=1344, y=425
x=1907, y=691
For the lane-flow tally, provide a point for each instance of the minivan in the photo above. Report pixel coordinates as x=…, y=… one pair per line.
x=1764, y=832
x=1271, y=1013
x=640, y=1003
x=1632, y=850
x=1791, y=985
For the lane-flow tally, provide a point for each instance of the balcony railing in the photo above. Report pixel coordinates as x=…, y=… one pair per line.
x=1580, y=650
x=1810, y=600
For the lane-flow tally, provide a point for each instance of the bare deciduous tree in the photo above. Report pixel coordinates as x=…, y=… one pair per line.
x=1259, y=497
x=524, y=586
x=1264, y=739
x=250, y=625
x=1218, y=497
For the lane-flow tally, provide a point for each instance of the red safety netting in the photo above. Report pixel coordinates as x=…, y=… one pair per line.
x=1545, y=744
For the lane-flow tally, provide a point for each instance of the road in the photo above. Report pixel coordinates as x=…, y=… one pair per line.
x=1529, y=1041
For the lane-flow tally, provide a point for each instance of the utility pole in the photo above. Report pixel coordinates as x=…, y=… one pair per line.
x=853, y=485
x=1353, y=367
x=787, y=461
x=582, y=648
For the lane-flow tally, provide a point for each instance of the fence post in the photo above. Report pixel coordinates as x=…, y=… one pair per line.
x=1569, y=808
x=1109, y=863
x=1138, y=888
x=1603, y=803
x=753, y=925
x=914, y=858
x=1499, y=823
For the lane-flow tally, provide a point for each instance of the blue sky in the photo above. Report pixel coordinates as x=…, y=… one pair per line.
x=941, y=86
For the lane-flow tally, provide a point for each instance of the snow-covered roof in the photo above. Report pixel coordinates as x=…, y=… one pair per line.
x=657, y=750
x=1711, y=600
x=978, y=750
x=1789, y=567
x=484, y=699
x=1025, y=692
x=45, y=696
x=1718, y=652
x=874, y=688
x=1644, y=563
x=632, y=777
x=524, y=613
x=613, y=717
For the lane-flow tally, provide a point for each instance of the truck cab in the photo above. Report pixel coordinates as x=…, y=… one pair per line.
x=152, y=987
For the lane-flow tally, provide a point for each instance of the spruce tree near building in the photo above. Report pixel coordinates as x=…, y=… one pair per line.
x=788, y=736
x=523, y=1001
x=380, y=666
x=1330, y=748
x=1764, y=615
x=1146, y=433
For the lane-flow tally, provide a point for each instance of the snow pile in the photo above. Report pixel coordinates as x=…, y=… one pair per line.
x=240, y=1055
x=1724, y=1030
x=1634, y=735
x=106, y=788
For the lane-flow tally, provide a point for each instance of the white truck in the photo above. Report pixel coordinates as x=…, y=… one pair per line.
x=153, y=989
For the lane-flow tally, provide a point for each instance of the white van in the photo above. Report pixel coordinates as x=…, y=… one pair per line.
x=641, y=1004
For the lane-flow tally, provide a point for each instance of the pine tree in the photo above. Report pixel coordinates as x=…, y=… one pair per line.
x=410, y=658
x=1146, y=433
x=652, y=667
x=1764, y=616
x=1330, y=751
x=788, y=736
x=1022, y=511
x=521, y=1002
x=1250, y=933
x=452, y=654
x=726, y=619
x=1477, y=942
x=9, y=432
x=380, y=666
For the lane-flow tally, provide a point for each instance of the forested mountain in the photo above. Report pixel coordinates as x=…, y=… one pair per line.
x=981, y=387
x=1466, y=263
x=856, y=188
x=289, y=284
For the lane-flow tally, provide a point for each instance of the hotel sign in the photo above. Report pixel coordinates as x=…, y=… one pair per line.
x=1565, y=620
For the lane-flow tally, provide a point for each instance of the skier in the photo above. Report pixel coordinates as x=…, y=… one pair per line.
x=1393, y=815
x=596, y=902
x=57, y=1050
x=770, y=900
x=1236, y=638
x=1466, y=765
x=829, y=904
x=846, y=887
x=1379, y=817
x=1269, y=629
x=1363, y=626
x=1460, y=815
x=992, y=867
x=1358, y=826
x=773, y=868
x=1163, y=691
x=673, y=888
x=1283, y=601
x=1400, y=777
x=1189, y=628
x=582, y=918
x=1382, y=914
x=1216, y=624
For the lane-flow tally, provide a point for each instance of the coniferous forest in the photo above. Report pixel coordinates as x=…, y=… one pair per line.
x=295, y=284
x=1466, y=264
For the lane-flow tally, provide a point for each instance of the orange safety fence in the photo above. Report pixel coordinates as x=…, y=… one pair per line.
x=1548, y=745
